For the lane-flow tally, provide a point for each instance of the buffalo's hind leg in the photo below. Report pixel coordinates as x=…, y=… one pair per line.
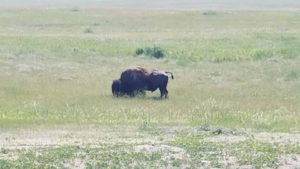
x=166, y=93
x=163, y=92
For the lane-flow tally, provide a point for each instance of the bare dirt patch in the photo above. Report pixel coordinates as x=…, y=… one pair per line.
x=291, y=138
x=287, y=138
x=62, y=135
x=141, y=141
x=290, y=161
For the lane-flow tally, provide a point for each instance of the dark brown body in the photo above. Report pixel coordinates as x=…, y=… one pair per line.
x=137, y=79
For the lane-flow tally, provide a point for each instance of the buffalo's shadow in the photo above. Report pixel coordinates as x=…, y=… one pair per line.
x=140, y=96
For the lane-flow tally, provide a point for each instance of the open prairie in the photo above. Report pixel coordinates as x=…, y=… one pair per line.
x=234, y=102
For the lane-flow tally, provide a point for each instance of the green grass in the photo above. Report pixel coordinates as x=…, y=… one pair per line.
x=225, y=36
x=233, y=69
x=107, y=156
x=256, y=95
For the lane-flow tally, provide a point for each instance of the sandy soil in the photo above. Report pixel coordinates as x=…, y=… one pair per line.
x=41, y=137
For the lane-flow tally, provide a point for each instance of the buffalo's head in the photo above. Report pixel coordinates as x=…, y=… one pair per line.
x=116, y=88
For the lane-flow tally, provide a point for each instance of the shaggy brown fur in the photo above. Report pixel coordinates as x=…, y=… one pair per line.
x=138, y=79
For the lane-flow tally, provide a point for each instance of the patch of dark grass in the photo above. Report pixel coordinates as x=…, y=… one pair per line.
x=6, y=164
x=155, y=51
x=210, y=13
x=139, y=51
x=119, y=157
x=262, y=54
x=176, y=162
x=46, y=158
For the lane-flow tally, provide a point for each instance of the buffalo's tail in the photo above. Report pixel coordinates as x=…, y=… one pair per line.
x=170, y=74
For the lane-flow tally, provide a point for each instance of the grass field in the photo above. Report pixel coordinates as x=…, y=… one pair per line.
x=234, y=102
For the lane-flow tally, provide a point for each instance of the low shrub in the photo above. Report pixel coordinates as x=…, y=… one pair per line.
x=139, y=51
x=210, y=13
x=155, y=51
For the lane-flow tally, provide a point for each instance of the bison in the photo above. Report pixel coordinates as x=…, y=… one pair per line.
x=138, y=79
